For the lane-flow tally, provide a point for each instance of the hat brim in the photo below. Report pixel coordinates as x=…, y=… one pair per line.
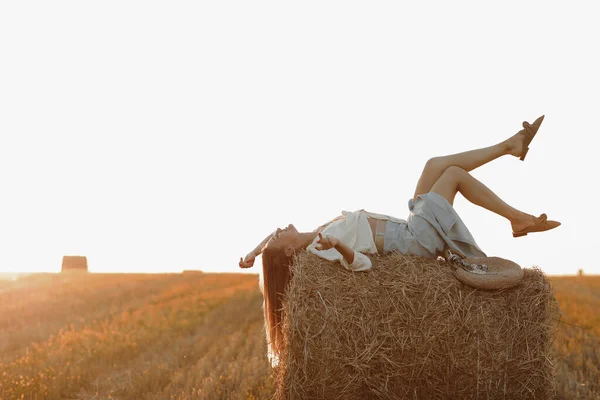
x=501, y=273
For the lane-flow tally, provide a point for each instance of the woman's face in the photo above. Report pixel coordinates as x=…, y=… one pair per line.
x=283, y=238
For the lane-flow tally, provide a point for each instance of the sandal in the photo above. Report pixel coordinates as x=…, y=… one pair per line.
x=541, y=224
x=529, y=131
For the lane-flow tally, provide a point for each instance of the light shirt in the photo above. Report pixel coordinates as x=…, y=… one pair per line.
x=355, y=232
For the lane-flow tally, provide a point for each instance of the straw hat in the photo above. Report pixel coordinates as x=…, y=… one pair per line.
x=484, y=272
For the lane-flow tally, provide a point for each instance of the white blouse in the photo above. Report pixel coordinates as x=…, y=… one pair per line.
x=355, y=232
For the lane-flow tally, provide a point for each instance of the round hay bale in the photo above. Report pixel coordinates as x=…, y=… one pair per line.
x=408, y=329
x=74, y=264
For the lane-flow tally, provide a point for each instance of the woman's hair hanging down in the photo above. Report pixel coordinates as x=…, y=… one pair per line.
x=276, y=275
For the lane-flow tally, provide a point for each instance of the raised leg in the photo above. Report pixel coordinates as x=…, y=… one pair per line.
x=455, y=179
x=468, y=161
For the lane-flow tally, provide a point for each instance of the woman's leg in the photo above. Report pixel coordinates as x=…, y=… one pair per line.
x=468, y=161
x=455, y=179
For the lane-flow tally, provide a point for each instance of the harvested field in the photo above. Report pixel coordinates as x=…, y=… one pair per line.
x=126, y=336
x=161, y=336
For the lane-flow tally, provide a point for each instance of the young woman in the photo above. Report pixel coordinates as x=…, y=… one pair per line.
x=432, y=226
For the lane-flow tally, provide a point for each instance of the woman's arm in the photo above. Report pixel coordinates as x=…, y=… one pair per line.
x=351, y=260
x=330, y=242
x=258, y=249
x=248, y=261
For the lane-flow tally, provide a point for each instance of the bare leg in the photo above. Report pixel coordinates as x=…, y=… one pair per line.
x=468, y=161
x=455, y=179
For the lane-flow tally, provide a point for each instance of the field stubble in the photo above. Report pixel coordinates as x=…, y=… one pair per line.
x=96, y=336
x=194, y=336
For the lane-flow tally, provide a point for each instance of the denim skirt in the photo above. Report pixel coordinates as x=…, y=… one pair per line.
x=431, y=226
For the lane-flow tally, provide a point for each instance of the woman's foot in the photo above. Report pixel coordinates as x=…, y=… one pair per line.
x=526, y=223
x=523, y=222
x=518, y=144
x=514, y=144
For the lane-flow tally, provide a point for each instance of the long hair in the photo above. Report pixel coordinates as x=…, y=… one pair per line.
x=276, y=276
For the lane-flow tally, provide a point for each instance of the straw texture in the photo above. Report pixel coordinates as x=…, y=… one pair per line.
x=408, y=329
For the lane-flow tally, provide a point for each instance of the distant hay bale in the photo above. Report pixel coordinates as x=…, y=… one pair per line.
x=407, y=329
x=74, y=264
x=192, y=271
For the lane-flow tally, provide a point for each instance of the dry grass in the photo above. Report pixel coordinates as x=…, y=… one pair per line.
x=132, y=337
x=125, y=336
x=577, y=343
x=408, y=329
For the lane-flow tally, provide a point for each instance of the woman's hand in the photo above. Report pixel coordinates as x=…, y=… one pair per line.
x=326, y=243
x=248, y=261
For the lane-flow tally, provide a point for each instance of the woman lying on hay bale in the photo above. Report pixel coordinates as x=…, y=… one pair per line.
x=432, y=227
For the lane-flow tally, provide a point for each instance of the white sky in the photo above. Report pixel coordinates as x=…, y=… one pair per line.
x=157, y=136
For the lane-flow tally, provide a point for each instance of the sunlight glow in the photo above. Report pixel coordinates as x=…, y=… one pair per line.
x=161, y=137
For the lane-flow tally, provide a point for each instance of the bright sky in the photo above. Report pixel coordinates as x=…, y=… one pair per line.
x=161, y=136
